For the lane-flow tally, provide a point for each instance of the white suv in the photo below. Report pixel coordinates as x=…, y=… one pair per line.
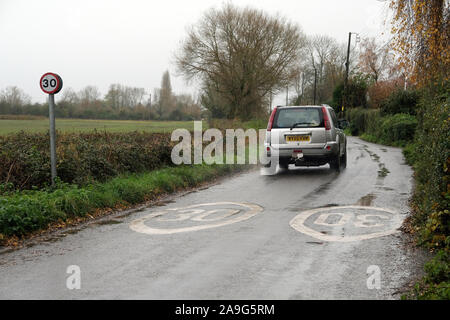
x=305, y=136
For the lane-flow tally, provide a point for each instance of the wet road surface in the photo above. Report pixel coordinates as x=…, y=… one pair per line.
x=305, y=233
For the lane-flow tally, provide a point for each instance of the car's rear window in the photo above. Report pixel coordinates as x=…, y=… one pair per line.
x=302, y=117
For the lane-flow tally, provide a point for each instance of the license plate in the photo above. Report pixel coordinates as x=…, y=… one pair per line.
x=297, y=138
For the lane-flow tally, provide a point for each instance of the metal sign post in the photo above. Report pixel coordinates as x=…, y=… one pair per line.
x=51, y=115
x=51, y=83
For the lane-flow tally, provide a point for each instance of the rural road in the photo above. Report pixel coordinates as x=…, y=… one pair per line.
x=306, y=233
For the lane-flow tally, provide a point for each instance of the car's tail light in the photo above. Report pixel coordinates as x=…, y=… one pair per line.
x=326, y=119
x=272, y=116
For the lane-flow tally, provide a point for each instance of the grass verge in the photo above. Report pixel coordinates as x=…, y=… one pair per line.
x=25, y=212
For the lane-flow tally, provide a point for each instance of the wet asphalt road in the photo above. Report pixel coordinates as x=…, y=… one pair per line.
x=257, y=255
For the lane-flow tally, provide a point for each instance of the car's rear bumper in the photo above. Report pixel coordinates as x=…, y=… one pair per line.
x=311, y=155
x=326, y=149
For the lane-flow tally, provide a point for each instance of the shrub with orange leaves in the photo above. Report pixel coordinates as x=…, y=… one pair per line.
x=381, y=91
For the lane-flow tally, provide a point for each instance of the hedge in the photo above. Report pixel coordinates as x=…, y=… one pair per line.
x=81, y=157
x=397, y=129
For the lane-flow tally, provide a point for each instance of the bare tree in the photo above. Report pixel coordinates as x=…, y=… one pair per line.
x=89, y=94
x=375, y=60
x=14, y=96
x=156, y=106
x=119, y=96
x=241, y=55
x=69, y=96
x=113, y=96
x=166, y=98
x=323, y=61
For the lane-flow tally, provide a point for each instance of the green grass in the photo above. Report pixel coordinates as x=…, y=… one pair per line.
x=77, y=125
x=24, y=212
x=347, y=131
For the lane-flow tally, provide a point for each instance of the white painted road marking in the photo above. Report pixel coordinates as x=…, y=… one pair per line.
x=193, y=213
x=362, y=221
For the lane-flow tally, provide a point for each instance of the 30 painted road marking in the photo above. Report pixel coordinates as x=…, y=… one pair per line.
x=363, y=220
x=220, y=217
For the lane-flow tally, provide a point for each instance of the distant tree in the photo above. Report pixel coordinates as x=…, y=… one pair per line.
x=136, y=96
x=189, y=108
x=380, y=91
x=156, y=107
x=119, y=96
x=89, y=95
x=69, y=96
x=357, y=92
x=166, y=99
x=375, y=60
x=327, y=57
x=112, y=97
x=14, y=97
x=240, y=55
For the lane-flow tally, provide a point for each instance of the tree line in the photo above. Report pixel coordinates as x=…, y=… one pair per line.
x=120, y=102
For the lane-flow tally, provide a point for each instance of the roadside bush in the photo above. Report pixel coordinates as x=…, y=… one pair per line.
x=397, y=129
x=380, y=91
x=401, y=101
x=357, y=91
x=436, y=283
x=363, y=120
x=432, y=194
x=81, y=157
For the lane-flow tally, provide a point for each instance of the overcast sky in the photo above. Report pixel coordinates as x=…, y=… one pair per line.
x=100, y=42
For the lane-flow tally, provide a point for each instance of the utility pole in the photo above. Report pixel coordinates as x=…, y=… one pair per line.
x=303, y=86
x=315, y=84
x=287, y=95
x=270, y=100
x=347, y=64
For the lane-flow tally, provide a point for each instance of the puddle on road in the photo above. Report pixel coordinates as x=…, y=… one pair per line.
x=361, y=155
x=366, y=200
x=163, y=203
x=314, y=242
x=383, y=172
x=386, y=188
x=329, y=205
x=322, y=188
x=106, y=222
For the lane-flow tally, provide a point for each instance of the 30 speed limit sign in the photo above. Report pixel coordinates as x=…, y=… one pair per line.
x=51, y=83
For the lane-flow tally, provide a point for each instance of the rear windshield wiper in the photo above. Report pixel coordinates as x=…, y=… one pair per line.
x=300, y=123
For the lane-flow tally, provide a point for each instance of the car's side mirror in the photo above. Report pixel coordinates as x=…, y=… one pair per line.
x=342, y=123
